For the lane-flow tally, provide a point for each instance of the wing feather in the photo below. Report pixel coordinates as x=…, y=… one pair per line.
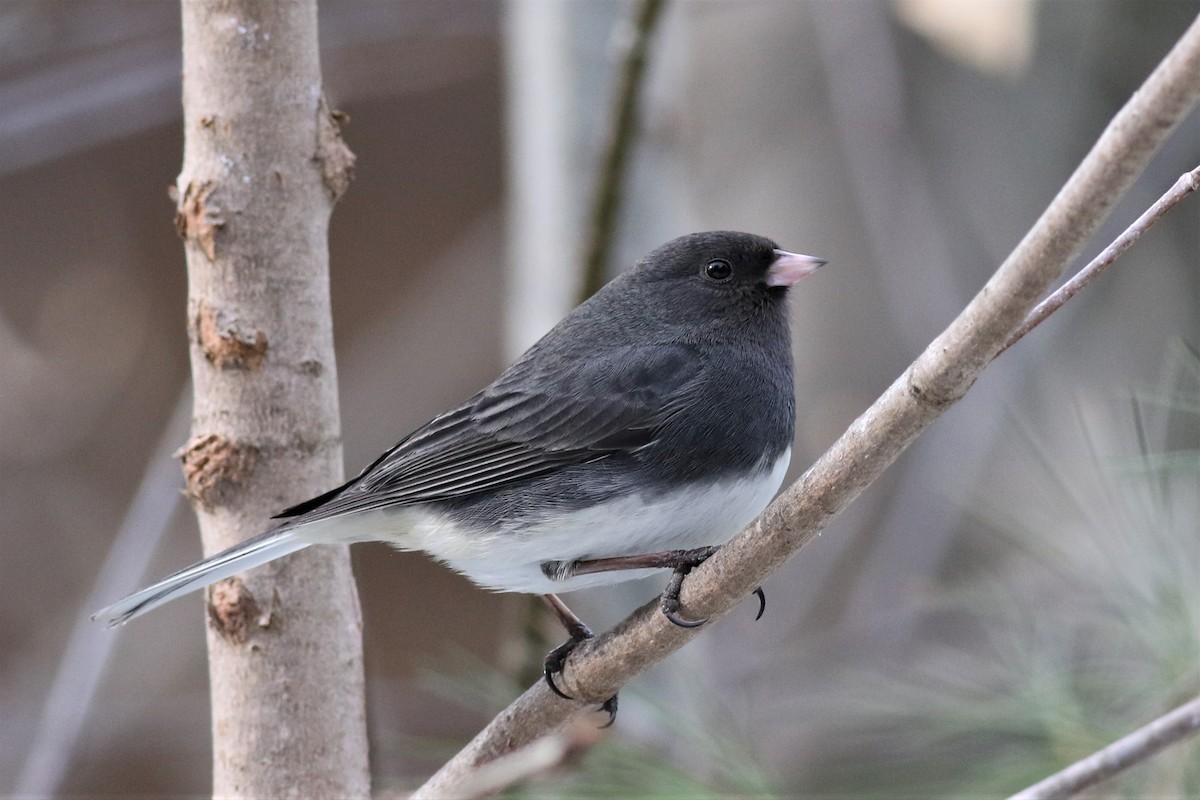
x=535, y=418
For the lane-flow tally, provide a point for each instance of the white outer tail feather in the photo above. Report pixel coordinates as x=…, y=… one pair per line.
x=254, y=551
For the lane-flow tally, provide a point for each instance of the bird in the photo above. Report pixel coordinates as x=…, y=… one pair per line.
x=642, y=432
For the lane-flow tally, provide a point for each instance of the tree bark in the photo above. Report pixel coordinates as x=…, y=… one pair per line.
x=263, y=166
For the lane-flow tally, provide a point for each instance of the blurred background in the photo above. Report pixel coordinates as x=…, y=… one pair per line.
x=1021, y=588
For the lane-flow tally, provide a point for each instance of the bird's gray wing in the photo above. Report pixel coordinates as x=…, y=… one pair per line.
x=536, y=417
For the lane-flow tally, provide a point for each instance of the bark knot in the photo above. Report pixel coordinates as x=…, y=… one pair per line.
x=933, y=390
x=226, y=343
x=195, y=218
x=333, y=157
x=214, y=467
x=233, y=612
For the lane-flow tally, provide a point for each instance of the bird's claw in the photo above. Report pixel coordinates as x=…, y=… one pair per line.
x=610, y=705
x=670, y=604
x=684, y=562
x=556, y=659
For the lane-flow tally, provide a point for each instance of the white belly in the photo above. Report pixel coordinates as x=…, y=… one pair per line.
x=509, y=558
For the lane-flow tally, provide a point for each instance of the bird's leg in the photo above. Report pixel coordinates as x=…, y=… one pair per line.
x=557, y=658
x=680, y=562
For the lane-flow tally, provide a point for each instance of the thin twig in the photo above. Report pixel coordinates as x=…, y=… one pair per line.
x=934, y=382
x=534, y=760
x=1187, y=183
x=607, y=200
x=605, y=204
x=68, y=704
x=1172, y=727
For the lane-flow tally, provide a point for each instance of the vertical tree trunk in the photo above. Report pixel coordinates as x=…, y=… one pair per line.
x=263, y=166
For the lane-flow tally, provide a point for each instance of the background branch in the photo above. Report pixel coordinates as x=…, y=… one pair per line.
x=534, y=760
x=77, y=678
x=608, y=193
x=606, y=201
x=1172, y=727
x=934, y=382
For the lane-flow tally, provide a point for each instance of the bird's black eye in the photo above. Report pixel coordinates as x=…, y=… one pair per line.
x=718, y=270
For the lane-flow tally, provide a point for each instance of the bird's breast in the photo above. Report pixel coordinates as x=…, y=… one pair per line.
x=509, y=555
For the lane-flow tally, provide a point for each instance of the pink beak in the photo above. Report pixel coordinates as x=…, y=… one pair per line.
x=787, y=268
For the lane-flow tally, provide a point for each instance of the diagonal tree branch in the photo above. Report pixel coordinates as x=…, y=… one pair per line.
x=70, y=702
x=934, y=382
x=1172, y=727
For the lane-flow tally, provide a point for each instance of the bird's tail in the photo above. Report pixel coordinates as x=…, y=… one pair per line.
x=254, y=551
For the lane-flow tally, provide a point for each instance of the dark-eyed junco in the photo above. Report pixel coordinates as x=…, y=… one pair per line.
x=649, y=426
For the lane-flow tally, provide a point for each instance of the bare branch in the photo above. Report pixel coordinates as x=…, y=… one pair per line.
x=607, y=200
x=69, y=703
x=531, y=761
x=934, y=382
x=1172, y=727
x=1188, y=182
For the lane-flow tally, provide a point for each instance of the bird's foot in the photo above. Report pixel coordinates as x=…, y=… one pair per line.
x=683, y=562
x=680, y=562
x=556, y=659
